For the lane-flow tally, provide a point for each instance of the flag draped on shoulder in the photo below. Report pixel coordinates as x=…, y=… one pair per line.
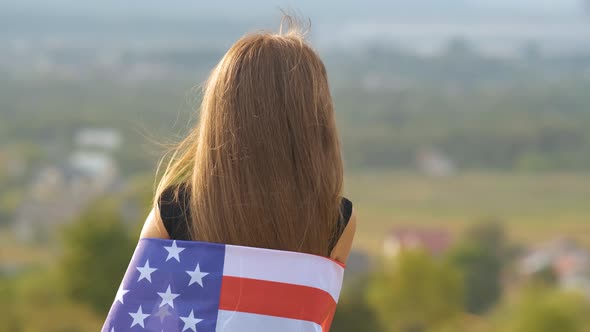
x=208, y=287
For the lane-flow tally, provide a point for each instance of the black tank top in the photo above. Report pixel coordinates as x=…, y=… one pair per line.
x=175, y=215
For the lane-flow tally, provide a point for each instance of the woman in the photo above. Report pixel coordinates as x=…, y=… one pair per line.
x=263, y=166
x=254, y=193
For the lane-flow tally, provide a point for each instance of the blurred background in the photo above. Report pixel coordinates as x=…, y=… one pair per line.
x=465, y=127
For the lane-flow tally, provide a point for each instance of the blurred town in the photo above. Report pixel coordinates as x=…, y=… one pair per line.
x=465, y=130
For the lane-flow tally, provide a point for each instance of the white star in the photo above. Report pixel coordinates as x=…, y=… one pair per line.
x=146, y=271
x=190, y=322
x=168, y=297
x=163, y=312
x=173, y=251
x=197, y=276
x=120, y=293
x=138, y=317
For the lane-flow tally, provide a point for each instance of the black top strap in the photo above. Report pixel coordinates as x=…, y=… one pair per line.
x=345, y=214
x=174, y=211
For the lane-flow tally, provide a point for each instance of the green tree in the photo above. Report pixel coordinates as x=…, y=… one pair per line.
x=489, y=234
x=481, y=275
x=30, y=303
x=97, y=249
x=416, y=293
x=353, y=312
x=480, y=259
x=542, y=309
x=8, y=295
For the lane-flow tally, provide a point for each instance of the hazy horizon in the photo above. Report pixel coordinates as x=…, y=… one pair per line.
x=235, y=9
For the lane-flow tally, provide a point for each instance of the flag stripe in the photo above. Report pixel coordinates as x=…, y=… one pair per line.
x=284, y=267
x=276, y=299
x=231, y=321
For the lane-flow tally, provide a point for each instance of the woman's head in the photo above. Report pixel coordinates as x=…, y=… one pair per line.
x=263, y=164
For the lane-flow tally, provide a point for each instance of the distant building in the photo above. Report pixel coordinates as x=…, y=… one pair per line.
x=92, y=164
x=104, y=138
x=433, y=241
x=435, y=163
x=58, y=193
x=569, y=263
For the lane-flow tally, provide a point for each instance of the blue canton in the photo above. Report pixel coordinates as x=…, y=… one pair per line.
x=169, y=288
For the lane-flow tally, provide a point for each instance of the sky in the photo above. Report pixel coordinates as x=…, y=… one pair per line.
x=331, y=8
x=561, y=24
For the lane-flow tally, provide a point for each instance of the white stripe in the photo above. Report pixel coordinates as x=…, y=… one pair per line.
x=233, y=321
x=284, y=266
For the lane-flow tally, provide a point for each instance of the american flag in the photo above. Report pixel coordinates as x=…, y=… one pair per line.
x=206, y=287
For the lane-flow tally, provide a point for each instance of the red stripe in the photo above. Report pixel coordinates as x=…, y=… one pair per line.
x=277, y=299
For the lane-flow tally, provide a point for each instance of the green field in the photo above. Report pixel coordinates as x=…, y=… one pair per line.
x=532, y=207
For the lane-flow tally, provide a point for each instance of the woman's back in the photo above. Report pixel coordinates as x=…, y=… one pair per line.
x=245, y=199
x=262, y=168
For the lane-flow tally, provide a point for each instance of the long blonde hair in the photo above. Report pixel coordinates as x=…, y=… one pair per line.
x=263, y=165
